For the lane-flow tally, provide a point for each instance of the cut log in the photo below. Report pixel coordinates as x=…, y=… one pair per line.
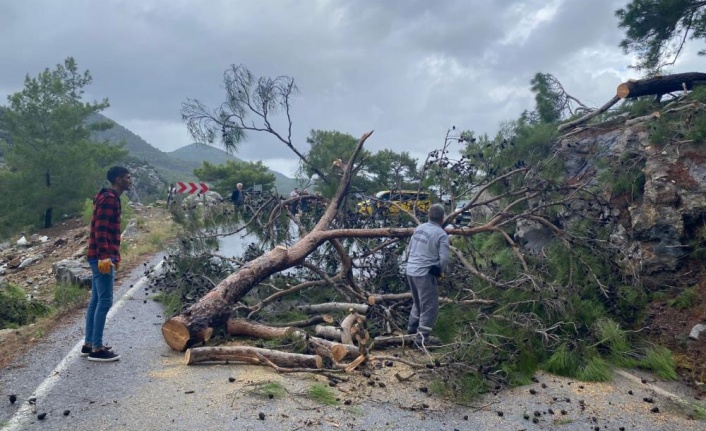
x=660, y=85
x=348, y=322
x=250, y=355
x=337, y=351
x=387, y=297
x=328, y=332
x=330, y=307
x=393, y=341
x=257, y=330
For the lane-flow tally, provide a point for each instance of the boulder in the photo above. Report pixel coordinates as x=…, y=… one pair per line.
x=27, y=261
x=73, y=271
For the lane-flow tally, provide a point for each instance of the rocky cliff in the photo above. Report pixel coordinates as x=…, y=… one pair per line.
x=654, y=192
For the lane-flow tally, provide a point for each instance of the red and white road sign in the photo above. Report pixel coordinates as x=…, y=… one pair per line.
x=191, y=188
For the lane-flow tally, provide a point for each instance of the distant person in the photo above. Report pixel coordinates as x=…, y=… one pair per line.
x=294, y=205
x=304, y=202
x=238, y=196
x=171, y=194
x=428, y=257
x=104, y=258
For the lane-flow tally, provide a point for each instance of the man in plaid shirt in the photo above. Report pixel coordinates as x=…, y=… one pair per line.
x=104, y=258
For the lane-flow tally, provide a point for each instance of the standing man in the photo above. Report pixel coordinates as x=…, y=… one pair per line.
x=428, y=257
x=238, y=197
x=295, y=204
x=104, y=258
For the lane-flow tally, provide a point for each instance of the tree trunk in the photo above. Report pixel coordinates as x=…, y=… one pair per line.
x=250, y=355
x=660, y=85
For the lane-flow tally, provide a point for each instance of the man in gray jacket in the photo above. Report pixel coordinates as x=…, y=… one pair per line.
x=428, y=257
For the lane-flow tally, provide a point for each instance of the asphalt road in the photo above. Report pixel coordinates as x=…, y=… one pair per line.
x=151, y=389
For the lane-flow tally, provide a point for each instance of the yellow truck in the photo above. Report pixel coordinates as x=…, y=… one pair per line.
x=390, y=202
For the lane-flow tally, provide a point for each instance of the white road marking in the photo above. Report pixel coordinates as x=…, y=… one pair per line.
x=25, y=413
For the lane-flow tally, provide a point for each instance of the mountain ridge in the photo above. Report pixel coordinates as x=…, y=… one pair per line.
x=176, y=165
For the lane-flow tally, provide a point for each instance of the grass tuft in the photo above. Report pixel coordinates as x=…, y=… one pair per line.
x=322, y=394
x=659, y=360
x=69, y=296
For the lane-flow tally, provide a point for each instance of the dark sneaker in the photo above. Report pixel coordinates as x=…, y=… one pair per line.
x=103, y=355
x=85, y=350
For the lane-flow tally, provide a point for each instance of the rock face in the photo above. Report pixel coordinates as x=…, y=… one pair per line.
x=73, y=271
x=663, y=203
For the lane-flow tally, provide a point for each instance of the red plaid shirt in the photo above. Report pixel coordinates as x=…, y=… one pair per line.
x=104, y=241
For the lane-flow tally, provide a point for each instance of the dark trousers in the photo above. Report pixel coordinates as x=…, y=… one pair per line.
x=425, y=309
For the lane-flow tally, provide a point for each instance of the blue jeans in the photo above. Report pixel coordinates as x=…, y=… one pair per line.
x=101, y=301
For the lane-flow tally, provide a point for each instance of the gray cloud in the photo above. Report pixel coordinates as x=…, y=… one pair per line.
x=407, y=69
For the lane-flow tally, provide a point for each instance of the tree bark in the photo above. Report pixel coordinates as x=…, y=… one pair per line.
x=660, y=85
x=328, y=332
x=250, y=355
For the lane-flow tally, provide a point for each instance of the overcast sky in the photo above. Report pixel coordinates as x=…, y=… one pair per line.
x=407, y=69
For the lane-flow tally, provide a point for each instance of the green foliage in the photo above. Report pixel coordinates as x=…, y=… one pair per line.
x=322, y=394
x=16, y=310
x=69, y=296
x=656, y=29
x=548, y=98
x=660, y=361
x=325, y=148
x=685, y=299
x=48, y=141
x=595, y=369
x=223, y=178
x=171, y=301
x=564, y=361
x=447, y=325
x=635, y=188
x=390, y=170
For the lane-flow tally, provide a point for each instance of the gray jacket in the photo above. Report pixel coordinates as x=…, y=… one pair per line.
x=428, y=246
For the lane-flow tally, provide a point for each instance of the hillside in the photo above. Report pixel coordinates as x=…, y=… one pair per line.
x=177, y=165
x=170, y=168
x=196, y=154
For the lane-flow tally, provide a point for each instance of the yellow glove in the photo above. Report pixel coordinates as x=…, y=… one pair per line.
x=104, y=266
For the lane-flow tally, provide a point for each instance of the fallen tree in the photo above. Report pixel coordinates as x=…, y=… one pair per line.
x=525, y=276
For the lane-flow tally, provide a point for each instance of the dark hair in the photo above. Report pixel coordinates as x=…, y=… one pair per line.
x=115, y=172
